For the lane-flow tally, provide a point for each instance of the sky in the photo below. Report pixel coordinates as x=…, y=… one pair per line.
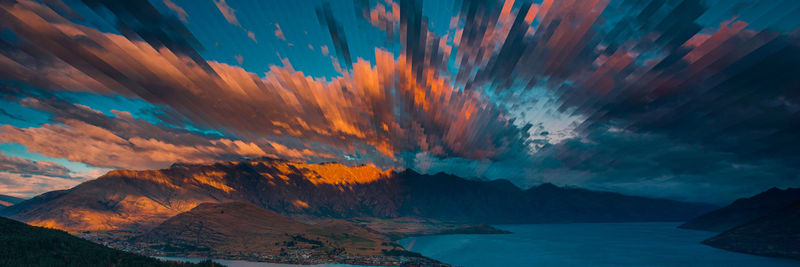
x=685, y=99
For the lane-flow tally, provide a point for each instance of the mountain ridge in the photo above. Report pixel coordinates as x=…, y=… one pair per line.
x=743, y=210
x=776, y=234
x=140, y=200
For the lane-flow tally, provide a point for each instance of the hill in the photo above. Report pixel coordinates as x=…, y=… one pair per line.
x=140, y=200
x=6, y=201
x=36, y=246
x=776, y=234
x=744, y=210
x=245, y=231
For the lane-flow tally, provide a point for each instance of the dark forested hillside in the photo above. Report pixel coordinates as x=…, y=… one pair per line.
x=24, y=245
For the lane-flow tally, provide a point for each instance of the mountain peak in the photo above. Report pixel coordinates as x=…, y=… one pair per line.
x=545, y=187
x=410, y=171
x=212, y=174
x=337, y=173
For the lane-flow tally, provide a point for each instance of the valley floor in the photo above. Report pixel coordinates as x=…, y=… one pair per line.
x=291, y=254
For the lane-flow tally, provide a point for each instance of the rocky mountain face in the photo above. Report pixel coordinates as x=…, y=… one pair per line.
x=776, y=234
x=6, y=201
x=140, y=200
x=744, y=210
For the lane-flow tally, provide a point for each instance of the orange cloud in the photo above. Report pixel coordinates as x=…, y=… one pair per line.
x=381, y=109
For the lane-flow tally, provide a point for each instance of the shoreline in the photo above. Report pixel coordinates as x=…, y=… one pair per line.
x=402, y=257
x=353, y=259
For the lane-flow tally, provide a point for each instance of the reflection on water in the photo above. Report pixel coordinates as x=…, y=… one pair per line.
x=592, y=244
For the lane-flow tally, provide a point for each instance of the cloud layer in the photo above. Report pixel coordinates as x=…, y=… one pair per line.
x=706, y=95
x=23, y=166
x=379, y=109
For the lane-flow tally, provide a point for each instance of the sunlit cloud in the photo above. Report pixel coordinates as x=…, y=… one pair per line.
x=507, y=89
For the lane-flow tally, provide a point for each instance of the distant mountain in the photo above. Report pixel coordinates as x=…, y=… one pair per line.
x=744, y=210
x=36, y=246
x=776, y=234
x=226, y=230
x=6, y=201
x=142, y=199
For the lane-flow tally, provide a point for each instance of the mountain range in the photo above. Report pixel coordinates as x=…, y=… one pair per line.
x=140, y=200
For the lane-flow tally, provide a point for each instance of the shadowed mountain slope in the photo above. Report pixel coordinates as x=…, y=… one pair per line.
x=744, y=210
x=36, y=246
x=776, y=234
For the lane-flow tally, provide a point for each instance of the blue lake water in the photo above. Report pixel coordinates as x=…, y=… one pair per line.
x=580, y=244
x=590, y=244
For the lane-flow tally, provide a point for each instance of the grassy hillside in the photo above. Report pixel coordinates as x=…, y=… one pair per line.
x=24, y=245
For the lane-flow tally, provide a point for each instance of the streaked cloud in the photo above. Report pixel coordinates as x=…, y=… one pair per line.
x=379, y=109
x=552, y=91
x=25, y=186
x=279, y=32
x=123, y=141
x=227, y=12
x=252, y=36
x=230, y=15
x=24, y=167
x=178, y=10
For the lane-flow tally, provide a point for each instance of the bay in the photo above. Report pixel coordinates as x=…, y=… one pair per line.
x=585, y=244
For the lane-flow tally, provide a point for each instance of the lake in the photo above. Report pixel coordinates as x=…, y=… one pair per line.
x=580, y=244
x=585, y=244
